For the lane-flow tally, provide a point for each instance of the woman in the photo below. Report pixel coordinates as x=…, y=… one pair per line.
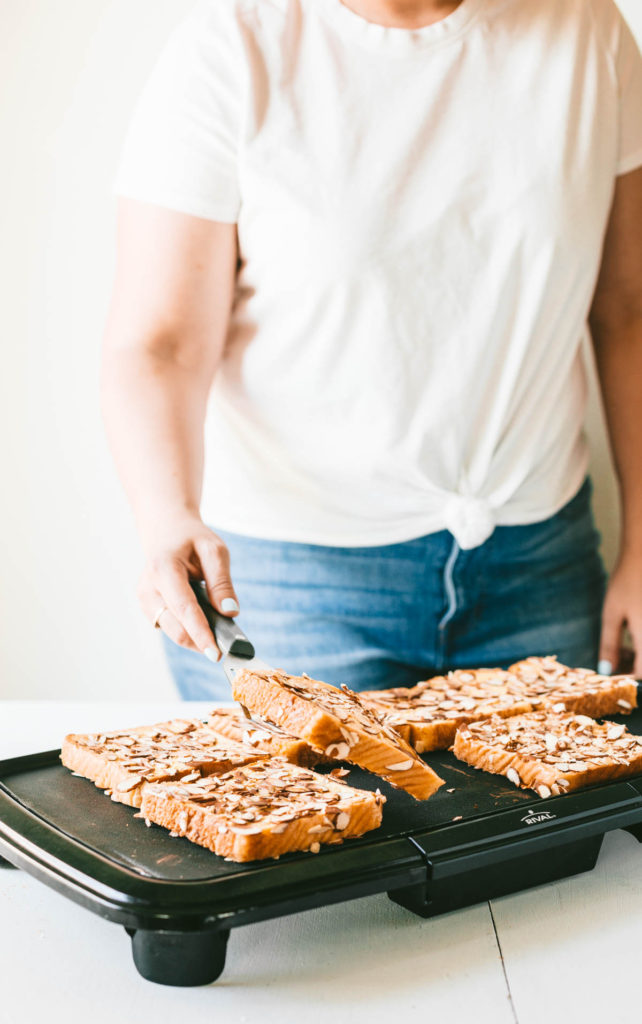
x=359, y=246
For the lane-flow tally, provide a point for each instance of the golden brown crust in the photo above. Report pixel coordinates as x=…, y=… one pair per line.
x=229, y=723
x=336, y=723
x=428, y=714
x=123, y=762
x=263, y=810
x=549, y=752
x=549, y=683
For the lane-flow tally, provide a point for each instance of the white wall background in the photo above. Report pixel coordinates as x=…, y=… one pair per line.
x=69, y=72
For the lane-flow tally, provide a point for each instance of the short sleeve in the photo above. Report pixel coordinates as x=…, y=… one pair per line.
x=181, y=145
x=627, y=62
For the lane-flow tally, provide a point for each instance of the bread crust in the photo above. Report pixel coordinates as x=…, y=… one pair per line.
x=549, y=683
x=338, y=725
x=262, y=810
x=124, y=762
x=232, y=725
x=550, y=752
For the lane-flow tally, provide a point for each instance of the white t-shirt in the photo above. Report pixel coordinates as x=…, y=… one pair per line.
x=420, y=218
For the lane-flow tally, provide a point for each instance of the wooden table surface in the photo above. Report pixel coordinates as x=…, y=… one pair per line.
x=559, y=954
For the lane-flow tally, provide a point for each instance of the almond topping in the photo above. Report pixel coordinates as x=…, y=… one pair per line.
x=400, y=766
x=615, y=731
x=130, y=783
x=338, y=750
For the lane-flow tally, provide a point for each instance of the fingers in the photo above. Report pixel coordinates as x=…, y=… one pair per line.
x=157, y=612
x=215, y=564
x=165, y=584
x=636, y=635
x=174, y=586
x=173, y=629
x=167, y=599
x=610, y=640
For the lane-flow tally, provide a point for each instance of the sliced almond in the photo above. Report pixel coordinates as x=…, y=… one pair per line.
x=615, y=731
x=127, y=784
x=400, y=766
x=338, y=750
x=551, y=741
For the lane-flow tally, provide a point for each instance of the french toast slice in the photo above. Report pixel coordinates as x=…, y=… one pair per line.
x=273, y=742
x=548, y=683
x=264, y=809
x=428, y=714
x=336, y=723
x=550, y=752
x=124, y=762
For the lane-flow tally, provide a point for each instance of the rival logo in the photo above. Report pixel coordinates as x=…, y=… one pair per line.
x=534, y=817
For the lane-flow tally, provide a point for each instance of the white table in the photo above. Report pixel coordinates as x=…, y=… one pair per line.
x=566, y=952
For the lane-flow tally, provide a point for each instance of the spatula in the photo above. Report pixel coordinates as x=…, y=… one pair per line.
x=237, y=651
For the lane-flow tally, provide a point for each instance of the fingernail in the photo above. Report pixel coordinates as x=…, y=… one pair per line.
x=212, y=653
x=228, y=604
x=604, y=667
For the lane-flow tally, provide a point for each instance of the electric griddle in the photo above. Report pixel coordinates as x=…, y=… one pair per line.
x=178, y=902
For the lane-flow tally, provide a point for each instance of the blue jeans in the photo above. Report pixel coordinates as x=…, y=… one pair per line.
x=374, y=617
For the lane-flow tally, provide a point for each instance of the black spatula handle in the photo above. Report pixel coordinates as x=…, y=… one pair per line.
x=230, y=639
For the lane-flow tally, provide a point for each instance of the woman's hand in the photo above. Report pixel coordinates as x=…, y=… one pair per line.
x=183, y=550
x=623, y=605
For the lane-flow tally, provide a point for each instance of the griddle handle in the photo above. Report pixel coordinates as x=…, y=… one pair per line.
x=229, y=637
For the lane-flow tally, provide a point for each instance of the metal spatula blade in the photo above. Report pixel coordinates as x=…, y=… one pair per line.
x=237, y=651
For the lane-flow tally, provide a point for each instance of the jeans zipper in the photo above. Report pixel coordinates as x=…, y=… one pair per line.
x=449, y=586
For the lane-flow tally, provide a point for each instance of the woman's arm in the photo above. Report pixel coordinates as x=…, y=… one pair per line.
x=616, y=325
x=165, y=334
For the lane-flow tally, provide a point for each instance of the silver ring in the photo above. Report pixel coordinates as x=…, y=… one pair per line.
x=158, y=616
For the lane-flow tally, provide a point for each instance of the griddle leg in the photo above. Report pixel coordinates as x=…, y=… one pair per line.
x=179, y=958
